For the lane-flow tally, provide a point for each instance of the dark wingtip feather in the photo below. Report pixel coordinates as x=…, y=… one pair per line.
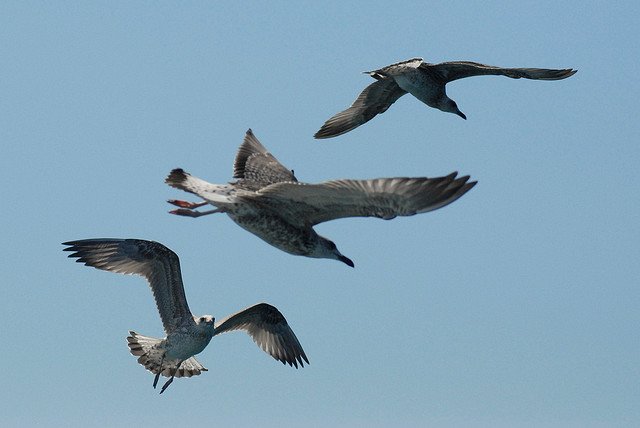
x=305, y=358
x=325, y=130
x=330, y=129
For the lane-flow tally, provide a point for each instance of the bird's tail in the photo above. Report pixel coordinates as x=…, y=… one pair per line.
x=394, y=68
x=150, y=351
x=215, y=194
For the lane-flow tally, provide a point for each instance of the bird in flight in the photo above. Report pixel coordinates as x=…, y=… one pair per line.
x=268, y=201
x=187, y=335
x=424, y=81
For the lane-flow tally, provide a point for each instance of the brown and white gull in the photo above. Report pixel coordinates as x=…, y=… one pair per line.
x=424, y=81
x=187, y=335
x=268, y=201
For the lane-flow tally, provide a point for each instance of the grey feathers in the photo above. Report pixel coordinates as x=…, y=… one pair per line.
x=427, y=83
x=254, y=163
x=269, y=329
x=269, y=202
x=153, y=261
x=186, y=335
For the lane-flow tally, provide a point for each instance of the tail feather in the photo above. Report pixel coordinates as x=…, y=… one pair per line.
x=394, y=68
x=213, y=193
x=150, y=351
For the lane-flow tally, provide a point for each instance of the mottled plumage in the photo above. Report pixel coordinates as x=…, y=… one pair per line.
x=187, y=335
x=424, y=81
x=269, y=202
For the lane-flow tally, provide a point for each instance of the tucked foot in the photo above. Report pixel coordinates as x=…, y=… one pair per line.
x=171, y=378
x=185, y=204
x=166, y=384
x=189, y=213
x=155, y=381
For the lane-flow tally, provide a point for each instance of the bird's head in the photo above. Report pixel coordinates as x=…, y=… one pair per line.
x=328, y=250
x=450, y=106
x=206, y=321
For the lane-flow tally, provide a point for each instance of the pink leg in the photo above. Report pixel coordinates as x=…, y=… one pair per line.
x=185, y=204
x=190, y=213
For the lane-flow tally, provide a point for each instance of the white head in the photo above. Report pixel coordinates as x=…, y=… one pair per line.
x=206, y=322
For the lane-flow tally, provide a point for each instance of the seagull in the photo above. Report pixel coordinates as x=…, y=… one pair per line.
x=268, y=201
x=424, y=81
x=187, y=335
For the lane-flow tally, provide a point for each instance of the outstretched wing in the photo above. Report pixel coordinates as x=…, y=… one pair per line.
x=255, y=164
x=454, y=70
x=269, y=329
x=375, y=99
x=151, y=260
x=385, y=198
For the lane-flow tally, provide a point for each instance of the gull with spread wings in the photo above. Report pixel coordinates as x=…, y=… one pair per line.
x=187, y=335
x=424, y=81
x=268, y=201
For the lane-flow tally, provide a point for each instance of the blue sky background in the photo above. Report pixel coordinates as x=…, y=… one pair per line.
x=517, y=305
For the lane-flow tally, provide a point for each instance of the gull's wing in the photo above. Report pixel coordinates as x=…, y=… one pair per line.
x=386, y=198
x=254, y=163
x=268, y=328
x=151, y=260
x=454, y=70
x=375, y=99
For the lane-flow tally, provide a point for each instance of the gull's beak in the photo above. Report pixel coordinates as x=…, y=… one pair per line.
x=346, y=260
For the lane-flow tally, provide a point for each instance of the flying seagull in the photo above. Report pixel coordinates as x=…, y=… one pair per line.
x=268, y=201
x=424, y=81
x=187, y=335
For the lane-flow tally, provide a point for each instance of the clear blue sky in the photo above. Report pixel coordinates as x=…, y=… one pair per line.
x=515, y=306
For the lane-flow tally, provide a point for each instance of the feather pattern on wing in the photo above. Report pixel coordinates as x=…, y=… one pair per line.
x=269, y=330
x=454, y=70
x=385, y=198
x=373, y=100
x=151, y=260
x=424, y=81
x=254, y=163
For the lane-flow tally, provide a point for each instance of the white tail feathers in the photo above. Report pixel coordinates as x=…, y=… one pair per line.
x=213, y=193
x=150, y=351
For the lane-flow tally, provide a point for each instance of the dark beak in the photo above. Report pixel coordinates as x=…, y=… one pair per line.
x=461, y=114
x=346, y=261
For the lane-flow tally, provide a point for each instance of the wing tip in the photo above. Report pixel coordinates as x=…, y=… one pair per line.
x=325, y=132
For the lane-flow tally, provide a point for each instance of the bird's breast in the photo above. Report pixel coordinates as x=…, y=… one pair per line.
x=277, y=231
x=182, y=345
x=420, y=85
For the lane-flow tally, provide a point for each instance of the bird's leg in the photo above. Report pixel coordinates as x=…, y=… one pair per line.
x=189, y=213
x=155, y=381
x=185, y=204
x=171, y=378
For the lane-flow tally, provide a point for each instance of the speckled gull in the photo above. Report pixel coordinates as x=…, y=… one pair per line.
x=268, y=201
x=424, y=81
x=187, y=335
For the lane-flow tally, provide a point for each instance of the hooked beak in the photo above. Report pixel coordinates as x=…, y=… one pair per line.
x=346, y=261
